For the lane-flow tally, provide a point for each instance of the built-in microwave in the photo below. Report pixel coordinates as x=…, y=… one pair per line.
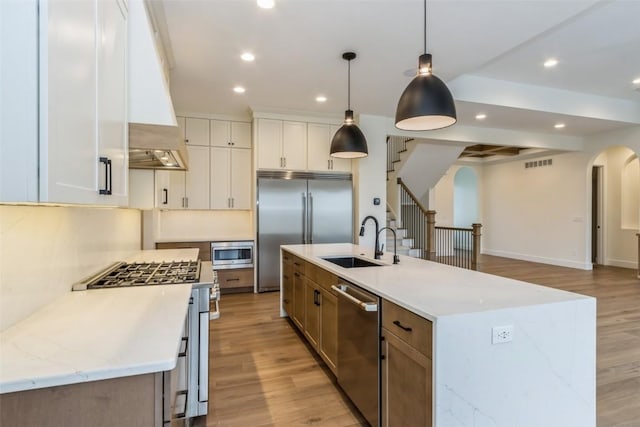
x=232, y=254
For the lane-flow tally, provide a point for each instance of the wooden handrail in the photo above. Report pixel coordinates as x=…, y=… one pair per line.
x=412, y=196
x=454, y=228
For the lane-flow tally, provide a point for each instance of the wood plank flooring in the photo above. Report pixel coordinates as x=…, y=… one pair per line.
x=262, y=374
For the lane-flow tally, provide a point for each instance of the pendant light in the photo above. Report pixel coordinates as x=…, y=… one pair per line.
x=426, y=103
x=349, y=142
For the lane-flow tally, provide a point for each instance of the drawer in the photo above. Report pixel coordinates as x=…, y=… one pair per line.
x=235, y=278
x=299, y=265
x=287, y=258
x=409, y=327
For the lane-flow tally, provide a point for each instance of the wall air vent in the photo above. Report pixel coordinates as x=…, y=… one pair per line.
x=538, y=163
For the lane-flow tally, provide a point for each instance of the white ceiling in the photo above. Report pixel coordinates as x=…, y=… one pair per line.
x=298, y=47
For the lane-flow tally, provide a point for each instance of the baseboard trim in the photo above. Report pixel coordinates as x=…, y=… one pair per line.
x=542, y=260
x=622, y=263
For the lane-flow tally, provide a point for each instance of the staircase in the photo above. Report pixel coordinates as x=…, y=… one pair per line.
x=423, y=165
x=404, y=243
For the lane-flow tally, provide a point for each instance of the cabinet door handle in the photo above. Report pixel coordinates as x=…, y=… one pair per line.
x=107, y=176
x=286, y=301
x=232, y=202
x=331, y=164
x=233, y=279
x=285, y=162
x=166, y=196
x=399, y=325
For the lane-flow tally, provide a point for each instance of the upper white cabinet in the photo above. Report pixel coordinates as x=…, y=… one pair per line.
x=112, y=96
x=318, y=146
x=78, y=154
x=281, y=144
x=230, y=178
x=185, y=189
x=230, y=134
x=149, y=96
x=196, y=131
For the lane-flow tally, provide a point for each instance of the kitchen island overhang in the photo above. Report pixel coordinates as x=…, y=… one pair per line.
x=546, y=374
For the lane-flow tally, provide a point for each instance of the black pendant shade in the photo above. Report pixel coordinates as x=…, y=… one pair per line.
x=426, y=103
x=349, y=141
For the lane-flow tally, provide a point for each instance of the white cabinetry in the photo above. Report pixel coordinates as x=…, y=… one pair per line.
x=196, y=131
x=318, y=147
x=185, y=189
x=281, y=144
x=81, y=146
x=112, y=96
x=230, y=178
x=230, y=134
x=197, y=178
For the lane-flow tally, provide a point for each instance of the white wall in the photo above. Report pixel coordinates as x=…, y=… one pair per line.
x=44, y=250
x=442, y=197
x=465, y=198
x=369, y=177
x=196, y=225
x=538, y=214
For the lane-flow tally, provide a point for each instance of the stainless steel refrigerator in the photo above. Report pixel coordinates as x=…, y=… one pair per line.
x=296, y=208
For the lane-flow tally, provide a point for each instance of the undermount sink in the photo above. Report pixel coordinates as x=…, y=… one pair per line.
x=351, y=262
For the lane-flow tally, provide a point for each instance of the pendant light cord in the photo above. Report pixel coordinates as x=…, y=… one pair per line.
x=425, y=26
x=349, y=86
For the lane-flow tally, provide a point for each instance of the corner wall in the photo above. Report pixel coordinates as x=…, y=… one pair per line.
x=44, y=250
x=538, y=214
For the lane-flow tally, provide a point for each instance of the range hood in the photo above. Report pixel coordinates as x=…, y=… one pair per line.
x=156, y=147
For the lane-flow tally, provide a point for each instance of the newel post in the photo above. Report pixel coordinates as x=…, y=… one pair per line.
x=476, y=245
x=638, y=234
x=430, y=246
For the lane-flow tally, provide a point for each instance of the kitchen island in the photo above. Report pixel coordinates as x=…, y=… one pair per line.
x=543, y=374
x=100, y=354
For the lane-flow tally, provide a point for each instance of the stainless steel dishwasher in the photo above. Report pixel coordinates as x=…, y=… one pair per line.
x=359, y=348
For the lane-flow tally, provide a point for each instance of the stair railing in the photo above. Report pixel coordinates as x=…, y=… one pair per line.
x=447, y=245
x=396, y=145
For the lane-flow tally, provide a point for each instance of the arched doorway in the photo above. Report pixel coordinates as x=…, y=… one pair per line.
x=615, y=203
x=465, y=197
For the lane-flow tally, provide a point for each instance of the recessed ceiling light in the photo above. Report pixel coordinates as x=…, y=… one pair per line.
x=559, y=125
x=239, y=89
x=551, y=62
x=636, y=81
x=266, y=4
x=481, y=116
x=321, y=98
x=247, y=56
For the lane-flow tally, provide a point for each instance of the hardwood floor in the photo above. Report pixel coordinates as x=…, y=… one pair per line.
x=262, y=374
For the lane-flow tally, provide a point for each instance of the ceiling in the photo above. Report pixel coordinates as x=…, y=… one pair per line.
x=489, y=52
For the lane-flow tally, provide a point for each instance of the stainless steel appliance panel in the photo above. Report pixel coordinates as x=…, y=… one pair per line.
x=330, y=211
x=281, y=221
x=226, y=255
x=359, y=349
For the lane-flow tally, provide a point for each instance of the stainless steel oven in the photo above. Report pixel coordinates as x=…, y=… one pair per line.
x=232, y=254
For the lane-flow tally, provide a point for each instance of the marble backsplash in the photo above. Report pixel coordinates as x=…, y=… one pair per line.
x=45, y=249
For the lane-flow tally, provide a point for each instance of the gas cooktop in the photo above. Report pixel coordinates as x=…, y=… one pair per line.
x=144, y=274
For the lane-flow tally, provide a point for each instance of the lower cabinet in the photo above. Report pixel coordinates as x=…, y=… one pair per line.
x=287, y=286
x=407, y=378
x=139, y=400
x=312, y=313
x=235, y=280
x=312, y=305
x=299, y=288
x=329, y=330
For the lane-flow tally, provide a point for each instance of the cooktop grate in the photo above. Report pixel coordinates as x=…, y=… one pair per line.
x=146, y=274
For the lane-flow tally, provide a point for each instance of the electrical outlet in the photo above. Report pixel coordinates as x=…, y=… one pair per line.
x=501, y=334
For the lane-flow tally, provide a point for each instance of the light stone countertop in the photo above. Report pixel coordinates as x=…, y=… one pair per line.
x=98, y=334
x=430, y=289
